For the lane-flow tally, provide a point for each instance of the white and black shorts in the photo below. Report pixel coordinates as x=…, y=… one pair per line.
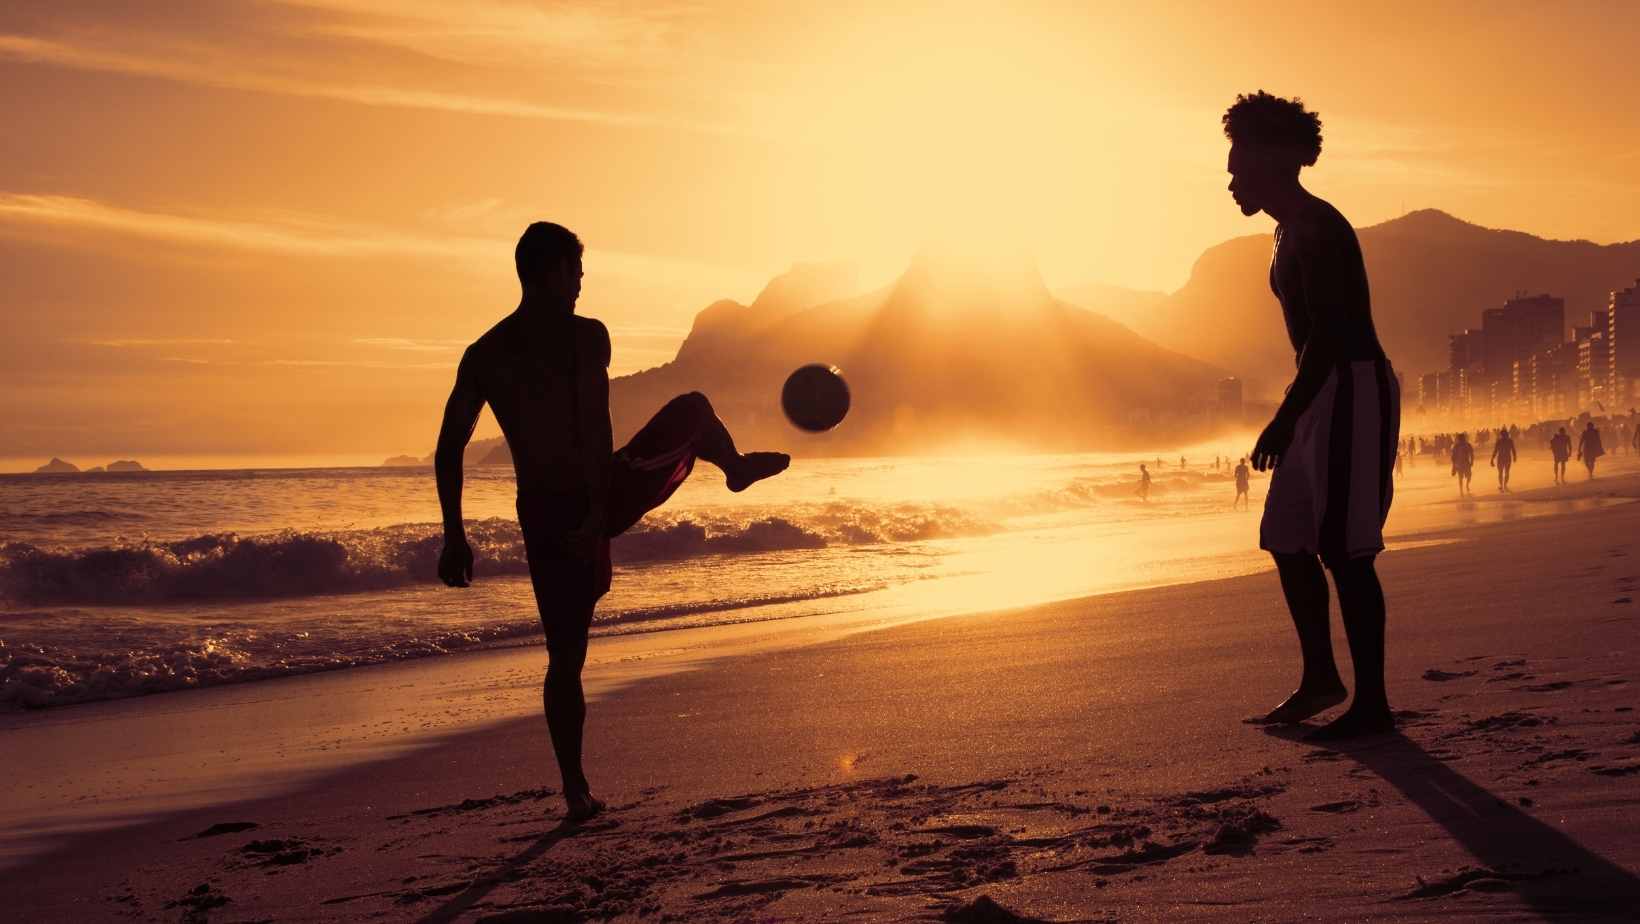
x=1331, y=492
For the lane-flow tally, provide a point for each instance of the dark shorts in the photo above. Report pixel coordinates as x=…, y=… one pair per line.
x=569, y=572
x=1331, y=492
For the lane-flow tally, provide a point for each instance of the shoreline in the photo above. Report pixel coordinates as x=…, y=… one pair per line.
x=1161, y=562
x=801, y=718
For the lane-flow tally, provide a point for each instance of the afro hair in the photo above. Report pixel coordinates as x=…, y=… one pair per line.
x=1261, y=118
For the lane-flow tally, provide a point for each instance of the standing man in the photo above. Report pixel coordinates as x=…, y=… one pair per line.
x=1560, y=448
x=1144, y=482
x=1242, y=478
x=1463, y=463
x=1503, y=456
x=1332, y=442
x=544, y=373
x=1589, y=448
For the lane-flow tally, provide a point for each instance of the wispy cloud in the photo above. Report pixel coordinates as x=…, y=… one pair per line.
x=325, y=239
x=170, y=342
x=354, y=364
x=186, y=69
x=411, y=345
x=615, y=35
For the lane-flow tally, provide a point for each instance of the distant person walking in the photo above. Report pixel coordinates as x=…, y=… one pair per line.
x=544, y=373
x=1503, y=457
x=1589, y=448
x=1332, y=441
x=1463, y=463
x=1560, y=449
x=1144, y=482
x=1243, y=476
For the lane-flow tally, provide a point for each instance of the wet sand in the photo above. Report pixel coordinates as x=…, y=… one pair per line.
x=1084, y=760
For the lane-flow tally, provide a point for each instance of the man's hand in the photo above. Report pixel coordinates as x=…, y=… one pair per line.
x=455, y=563
x=1272, y=444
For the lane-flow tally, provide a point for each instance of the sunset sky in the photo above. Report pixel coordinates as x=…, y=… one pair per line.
x=263, y=230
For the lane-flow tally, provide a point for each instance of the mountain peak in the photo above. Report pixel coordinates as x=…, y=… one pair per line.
x=1427, y=218
x=998, y=277
x=805, y=285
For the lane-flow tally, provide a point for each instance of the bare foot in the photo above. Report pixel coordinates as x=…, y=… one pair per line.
x=582, y=806
x=1305, y=703
x=756, y=466
x=1356, y=722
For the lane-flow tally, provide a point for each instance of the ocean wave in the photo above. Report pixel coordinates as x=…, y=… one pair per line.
x=296, y=563
x=82, y=669
x=34, y=676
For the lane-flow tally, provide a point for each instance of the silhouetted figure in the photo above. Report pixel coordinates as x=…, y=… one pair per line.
x=1463, y=463
x=544, y=373
x=1333, y=439
x=1503, y=457
x=1144, y=482
x=1182, y=465
x=1560, y=449
x=1243, y=475
x=1589, y=448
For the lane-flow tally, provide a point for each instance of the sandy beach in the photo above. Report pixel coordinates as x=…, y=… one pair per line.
x=1081, y=761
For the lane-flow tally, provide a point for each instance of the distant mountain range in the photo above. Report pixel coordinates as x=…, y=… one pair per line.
x=1431, y=276
x=58, y=467
x=948, y=354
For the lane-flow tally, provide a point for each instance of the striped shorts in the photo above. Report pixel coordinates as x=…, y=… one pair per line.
x=1331, y=492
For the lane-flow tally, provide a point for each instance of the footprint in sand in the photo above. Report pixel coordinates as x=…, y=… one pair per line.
x=199, y=901
x=1628, y=766
x=1554, y=686
x=1344, y=807
x=1439, y=676
x=224, y=827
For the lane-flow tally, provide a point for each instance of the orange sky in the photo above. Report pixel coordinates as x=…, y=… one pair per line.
x=266, y=228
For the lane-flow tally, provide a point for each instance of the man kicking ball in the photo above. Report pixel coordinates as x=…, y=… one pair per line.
x=545, y=374
x=1332, y=442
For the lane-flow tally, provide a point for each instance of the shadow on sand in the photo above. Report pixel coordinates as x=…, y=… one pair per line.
x=1552, y=874
x=506, y=872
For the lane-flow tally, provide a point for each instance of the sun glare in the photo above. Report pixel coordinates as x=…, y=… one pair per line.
x=970, y=136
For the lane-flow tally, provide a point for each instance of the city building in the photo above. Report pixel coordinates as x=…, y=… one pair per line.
x=1623, y=346
x=1524, y=325
x=1230, y=400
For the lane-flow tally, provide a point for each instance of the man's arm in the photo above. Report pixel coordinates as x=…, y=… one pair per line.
x=1321, y=299
x=455, y=563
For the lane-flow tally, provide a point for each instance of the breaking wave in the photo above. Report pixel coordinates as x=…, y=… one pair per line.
x=293, y=563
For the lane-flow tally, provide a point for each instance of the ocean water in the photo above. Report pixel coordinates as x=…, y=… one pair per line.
x=124, y=584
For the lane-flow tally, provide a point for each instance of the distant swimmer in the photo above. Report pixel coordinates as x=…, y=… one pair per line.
x=1503, y=457
x=1560, y=448
x=1463, y=463
x=1144, y=482
x=1243, y=474
x=1589, y=448
x=544, y=372
x=1332, y=441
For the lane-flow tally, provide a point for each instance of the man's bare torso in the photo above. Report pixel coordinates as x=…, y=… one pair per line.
x=547, y=382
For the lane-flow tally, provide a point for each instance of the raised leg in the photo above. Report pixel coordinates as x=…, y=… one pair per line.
x=1319, y=687
x=686, y=428
x=1361, y=603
